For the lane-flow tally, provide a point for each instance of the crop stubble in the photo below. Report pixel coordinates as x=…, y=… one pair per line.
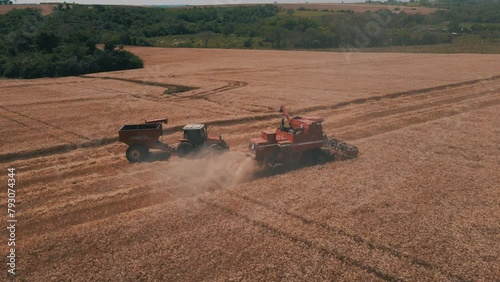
x=420, y=201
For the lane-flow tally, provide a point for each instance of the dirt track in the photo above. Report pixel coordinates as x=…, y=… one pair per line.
x=420, y=202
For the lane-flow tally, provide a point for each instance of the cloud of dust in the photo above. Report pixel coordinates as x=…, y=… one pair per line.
x=208, y=173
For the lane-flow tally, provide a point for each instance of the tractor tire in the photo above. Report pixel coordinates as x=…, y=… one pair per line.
x=185, y=149
x=342, y=147
x=278, y=168
x=136, y=153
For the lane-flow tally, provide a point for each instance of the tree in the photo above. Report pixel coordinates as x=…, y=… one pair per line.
x=111, y=41
x=206, y=36
x=275, y=36
x=46, y=41
x=454, y=26
x=248, y=43
x=227, y=29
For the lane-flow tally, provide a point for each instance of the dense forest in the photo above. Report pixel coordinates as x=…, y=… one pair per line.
x=64, y=42
x=33, y=46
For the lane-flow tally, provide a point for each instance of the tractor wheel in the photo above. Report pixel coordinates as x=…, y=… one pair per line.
x=136, y=153
x=343, y=147
x=184, y=149
x=278, y=168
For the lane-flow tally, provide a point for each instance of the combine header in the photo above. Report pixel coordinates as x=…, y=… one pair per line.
x=301, y=142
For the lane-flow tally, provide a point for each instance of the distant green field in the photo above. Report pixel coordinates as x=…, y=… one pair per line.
x=462, y=44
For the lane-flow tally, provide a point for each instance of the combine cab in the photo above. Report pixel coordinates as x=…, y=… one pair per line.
x=301, y=141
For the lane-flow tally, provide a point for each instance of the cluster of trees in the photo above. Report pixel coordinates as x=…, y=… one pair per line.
x=64, y=42
x=337, y=30
x=34, y=46
x=134, y=25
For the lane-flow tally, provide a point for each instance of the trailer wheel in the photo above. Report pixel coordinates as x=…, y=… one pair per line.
x=136, y=153
x=321, y=159
x=184, y=149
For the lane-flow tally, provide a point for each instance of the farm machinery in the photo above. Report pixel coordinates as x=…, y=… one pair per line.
x=299, y=142
x=141, y=138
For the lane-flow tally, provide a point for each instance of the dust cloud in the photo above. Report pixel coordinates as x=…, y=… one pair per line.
x=207, y=173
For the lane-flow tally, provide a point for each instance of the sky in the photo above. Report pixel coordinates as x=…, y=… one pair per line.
x=183, y=2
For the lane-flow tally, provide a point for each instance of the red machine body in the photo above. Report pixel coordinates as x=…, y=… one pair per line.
x=301, y=141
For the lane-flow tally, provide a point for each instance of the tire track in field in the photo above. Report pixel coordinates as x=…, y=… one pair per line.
x=356, y=239
x=141, y=82
x=46, y=123
x=303, y=241
x=372, y=121
x=22, y=85
x=206, y=94
x=123, y=204
x=122, y=207
x=65, y=101
x=60, y=149
x=141, y=199
x=33, y=128
x=83, y=211
x=377, y=127
x=252, y=118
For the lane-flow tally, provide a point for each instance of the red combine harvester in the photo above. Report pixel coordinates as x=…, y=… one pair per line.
x=301, y=142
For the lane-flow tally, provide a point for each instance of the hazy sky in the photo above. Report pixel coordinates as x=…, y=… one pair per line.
x=184, y=2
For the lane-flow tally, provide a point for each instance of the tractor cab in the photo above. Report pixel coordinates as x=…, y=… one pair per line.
x=195, y=133
x=196, y=139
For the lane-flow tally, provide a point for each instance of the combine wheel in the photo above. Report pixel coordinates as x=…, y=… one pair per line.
x=333, y=143
x=342, y=147
x=184, y=149
x=278, y=168
x=352, y=152
x=136, y=153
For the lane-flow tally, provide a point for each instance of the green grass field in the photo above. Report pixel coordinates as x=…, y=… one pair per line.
x=460, y=44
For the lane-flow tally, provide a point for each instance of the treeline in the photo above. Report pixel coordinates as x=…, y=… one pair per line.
x=134, y=25
x=478, y=11
x=64, y=42
x=34, y=46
